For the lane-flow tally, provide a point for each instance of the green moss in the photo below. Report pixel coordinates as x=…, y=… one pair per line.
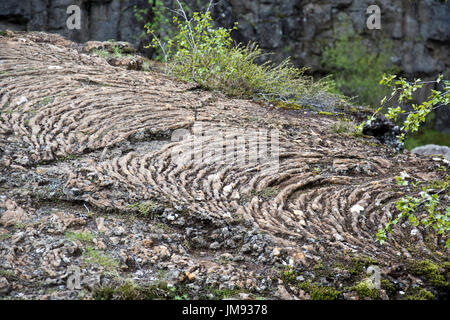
x=20, y=225
x=439, y=184
x=357, y=264
x=288, y=275
x=325, y=113
x=446, y=266
x=104, y=293
x=418, y=294
x=388, y=287
x=288, y=106
x=318, y=292
x=130, y=291
x=431, y=272
x=226, y=293
x=92, y=256
x=46, y=101
x=365, y=290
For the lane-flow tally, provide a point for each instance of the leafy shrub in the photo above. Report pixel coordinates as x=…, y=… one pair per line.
x=402, y=91
x=429, y=199
x=201, y=53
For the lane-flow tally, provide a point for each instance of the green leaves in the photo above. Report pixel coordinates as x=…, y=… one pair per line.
x=437, y=218
x=400, y=181
x=405, y=91
x=387, y=80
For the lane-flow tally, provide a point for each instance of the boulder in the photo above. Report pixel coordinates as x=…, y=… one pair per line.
x=433, y=149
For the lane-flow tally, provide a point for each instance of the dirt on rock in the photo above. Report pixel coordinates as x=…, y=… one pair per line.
x=93, y=203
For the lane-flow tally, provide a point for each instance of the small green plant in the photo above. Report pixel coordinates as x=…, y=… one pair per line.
x=159, y=25
x=92, y=256
x=316, y=171
x=145, y=208
x=267, y=194
x=81, y=236
x=7, y=274
x=226, y=293
x=117, y=52
x=146, y=66
x=183, y=297
x=21, y=225
x=100, y=52
x=429, y=198
x=343, y=127
x=288, y=275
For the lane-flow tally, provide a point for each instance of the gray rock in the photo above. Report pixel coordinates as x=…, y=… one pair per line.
x=432, y=149
x=215, y=245
x=4, y=286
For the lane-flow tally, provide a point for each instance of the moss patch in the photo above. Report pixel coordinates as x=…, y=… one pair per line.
x=418, y=294
x=431, y=271
x=130, y=291
x=92, y=256
x=318, y=292
x=325, y=113
x=357, y=265
x=388, y=287
x=364, y=290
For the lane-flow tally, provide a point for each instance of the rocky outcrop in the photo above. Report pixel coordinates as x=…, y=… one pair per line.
x=92, y=179
x=433, y=150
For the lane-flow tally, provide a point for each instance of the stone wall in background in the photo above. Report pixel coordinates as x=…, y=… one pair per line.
x=420, y=29
x=101, y=19
x=298, y=28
